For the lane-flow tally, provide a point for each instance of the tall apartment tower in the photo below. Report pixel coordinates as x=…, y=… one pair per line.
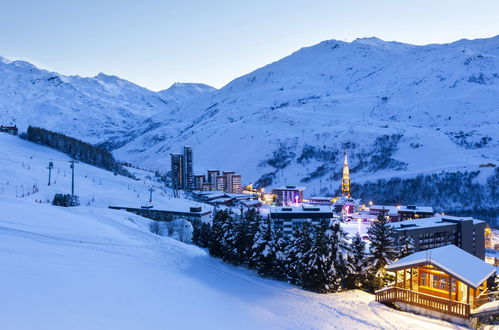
x=177, y=171
x=237, y=187
x=228, y=181
x=188, y=169
x=212, y=178
x=345, y=181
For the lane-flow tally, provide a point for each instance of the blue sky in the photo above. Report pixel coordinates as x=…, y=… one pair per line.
x=156, y=43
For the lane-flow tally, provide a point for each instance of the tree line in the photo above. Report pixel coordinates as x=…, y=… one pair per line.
x=319, y=258
x=75, y=148
x=457, y=193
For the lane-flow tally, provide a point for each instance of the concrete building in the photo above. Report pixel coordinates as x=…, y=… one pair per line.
x=237, y=187
x=177, y=172
x=188, y=169
x=289, y=218
x=410, y=212
x=199, y=181
x=190, y=214
x=288, y=195
x=317, y=200
x=212, y=178
x=402, y=212
x=428, y=233
x=9, y=129
x=220, y=184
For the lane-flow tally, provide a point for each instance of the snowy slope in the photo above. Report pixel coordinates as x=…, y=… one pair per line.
x=335, y=96
x=99, y=109
x=94, y=268
x=23, y=165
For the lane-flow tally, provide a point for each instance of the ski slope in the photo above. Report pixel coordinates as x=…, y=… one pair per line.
x=90, y=267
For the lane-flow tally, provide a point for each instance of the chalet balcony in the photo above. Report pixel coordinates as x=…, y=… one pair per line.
x=442, y=305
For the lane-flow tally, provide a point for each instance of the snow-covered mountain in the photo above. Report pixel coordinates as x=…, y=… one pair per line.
x=399, y=109
x=182, y=92
x=102, y=109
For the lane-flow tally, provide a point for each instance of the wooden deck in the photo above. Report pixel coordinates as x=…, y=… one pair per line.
x=442, y=305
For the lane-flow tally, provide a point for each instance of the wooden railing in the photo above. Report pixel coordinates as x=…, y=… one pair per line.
x=442, y=305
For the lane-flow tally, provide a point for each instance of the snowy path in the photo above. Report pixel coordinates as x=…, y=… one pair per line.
x=91, y=268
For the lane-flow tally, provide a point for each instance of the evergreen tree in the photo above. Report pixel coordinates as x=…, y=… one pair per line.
x=299, y=243
x=216, y=246
x=201, y=233
x=281, y=262
x=324, y=261
x=383, y=249
x=405, y=245
x=357, y=263
x=253, y=220
x=230, y=238
x=264, y=252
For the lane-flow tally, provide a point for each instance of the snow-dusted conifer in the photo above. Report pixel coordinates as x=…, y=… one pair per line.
x=357, y=263
x=323, y=263
x=405, y=245
x=301, y=241
x=264, y=249
x=383, y=248
x=216, y=246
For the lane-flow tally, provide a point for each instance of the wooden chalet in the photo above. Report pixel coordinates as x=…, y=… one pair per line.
x=447, y=279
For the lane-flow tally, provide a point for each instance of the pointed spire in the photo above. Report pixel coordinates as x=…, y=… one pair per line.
x=346, y=158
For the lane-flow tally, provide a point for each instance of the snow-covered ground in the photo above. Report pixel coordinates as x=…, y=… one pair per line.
x=91, y=267
x=24, y=165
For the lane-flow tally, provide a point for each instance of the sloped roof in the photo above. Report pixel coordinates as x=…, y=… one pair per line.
x=451, y=259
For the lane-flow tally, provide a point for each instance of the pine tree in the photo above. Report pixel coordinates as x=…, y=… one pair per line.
x=264, y=249
x=229, y=239
x=357, y=263
x=216, y=246
x=253, y=220
x=299, y=243
x=324, y=261
x=281, y=262
x=405, y=245
x=383, y=249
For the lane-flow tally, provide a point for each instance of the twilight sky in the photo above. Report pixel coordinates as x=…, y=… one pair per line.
x=156, y=43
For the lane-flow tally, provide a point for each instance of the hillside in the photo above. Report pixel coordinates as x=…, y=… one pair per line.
x=90, y=267
x=431, y=108
x=100, y=110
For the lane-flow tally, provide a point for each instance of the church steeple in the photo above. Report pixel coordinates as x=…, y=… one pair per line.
x=345, y=181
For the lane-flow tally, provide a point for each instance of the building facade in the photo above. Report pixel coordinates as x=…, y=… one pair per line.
x=289, y=218
x=289, y=195
x=212, y=178
x=177, y=172
x=9, y=129
x=411, y=212
x=428, y=233
x=188, y=175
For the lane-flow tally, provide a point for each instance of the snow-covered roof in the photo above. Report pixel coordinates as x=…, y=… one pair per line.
x=432, y=222
x=403, y=208
x=426, y=209
x=289, y=188
x=390, y=208
x=451, y=259
x=251, y=202
x=222, y=200
x=301, y=209
x=321, y=198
